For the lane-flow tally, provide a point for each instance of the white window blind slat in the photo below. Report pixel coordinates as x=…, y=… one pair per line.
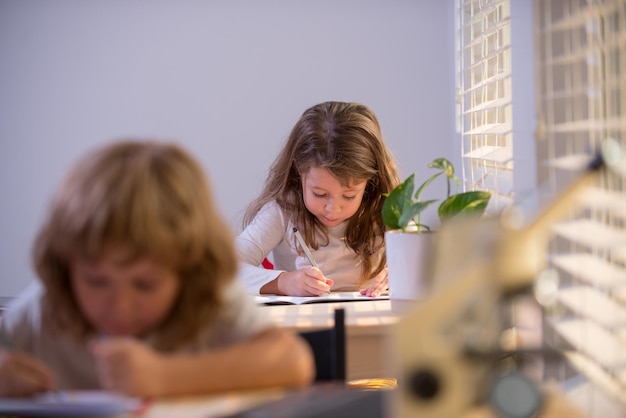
x=573, y=93
x=585, y=54
x=492, y=35
x=594, y=341
x=595, y=305
x=488, y=82
x=491, y=153
x=591, y=234
x=591, y=269
x=490, y=129
x=598, y=199
x=487, y=105
x=571, y=162
x=579, y=15
x=619, y=254
x=604, y=124
x=610, y=383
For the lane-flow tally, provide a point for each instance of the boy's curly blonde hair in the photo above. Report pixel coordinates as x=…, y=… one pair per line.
x=153, y=200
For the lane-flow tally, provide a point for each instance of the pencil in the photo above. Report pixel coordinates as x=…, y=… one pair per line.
x=306, y=250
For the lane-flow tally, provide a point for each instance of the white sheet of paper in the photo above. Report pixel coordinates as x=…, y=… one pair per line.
x=299, y=300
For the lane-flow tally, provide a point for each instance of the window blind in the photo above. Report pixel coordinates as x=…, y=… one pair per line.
x=484, y=115
x=580, y=63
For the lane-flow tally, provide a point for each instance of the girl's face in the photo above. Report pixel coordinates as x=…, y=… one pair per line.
x=327, y=199
x=121, y=298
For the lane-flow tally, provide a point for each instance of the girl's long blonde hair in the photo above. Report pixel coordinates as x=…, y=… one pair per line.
x=153, y=200
x=345, y=139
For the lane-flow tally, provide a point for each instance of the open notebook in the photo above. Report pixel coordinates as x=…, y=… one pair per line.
x=331, y=297
x=71, y=404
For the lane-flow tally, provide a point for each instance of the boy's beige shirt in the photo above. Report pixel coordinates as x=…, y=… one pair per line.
x=70, y=360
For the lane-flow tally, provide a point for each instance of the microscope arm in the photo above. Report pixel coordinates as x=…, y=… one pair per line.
x=494, y=258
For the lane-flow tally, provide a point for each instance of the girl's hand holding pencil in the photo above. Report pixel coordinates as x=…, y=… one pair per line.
x=306, y=282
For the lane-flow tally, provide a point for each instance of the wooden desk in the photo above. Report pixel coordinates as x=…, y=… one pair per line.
x=367, y=327
x=322, y=400
x=311, y=403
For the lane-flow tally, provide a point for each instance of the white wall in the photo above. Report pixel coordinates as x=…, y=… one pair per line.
x=227, y=79
x=523, y=94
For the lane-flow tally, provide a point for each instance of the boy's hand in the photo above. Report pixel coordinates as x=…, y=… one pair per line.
x=23, y=375
x=128, y=366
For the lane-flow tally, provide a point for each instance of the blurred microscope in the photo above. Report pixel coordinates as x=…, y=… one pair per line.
x=454, y=353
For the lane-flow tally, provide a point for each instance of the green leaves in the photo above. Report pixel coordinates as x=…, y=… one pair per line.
x=399, y=207
x=468, y=203
x=402, y=206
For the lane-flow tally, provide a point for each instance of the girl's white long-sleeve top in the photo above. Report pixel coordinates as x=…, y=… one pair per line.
x=269, y=232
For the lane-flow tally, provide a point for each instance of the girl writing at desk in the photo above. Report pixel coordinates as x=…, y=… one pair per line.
x=328, y=182
x=137, y=290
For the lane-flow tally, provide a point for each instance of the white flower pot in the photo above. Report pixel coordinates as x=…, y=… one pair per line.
x=409, y=263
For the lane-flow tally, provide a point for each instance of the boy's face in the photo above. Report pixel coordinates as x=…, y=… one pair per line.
x=121, y=298
x=327, y=199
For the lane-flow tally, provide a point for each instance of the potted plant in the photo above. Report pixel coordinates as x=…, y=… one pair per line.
x=402, y=206
x=408, y=241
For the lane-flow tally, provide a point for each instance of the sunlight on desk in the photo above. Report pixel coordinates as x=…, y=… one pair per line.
x=320, y=315
x=219, y=405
